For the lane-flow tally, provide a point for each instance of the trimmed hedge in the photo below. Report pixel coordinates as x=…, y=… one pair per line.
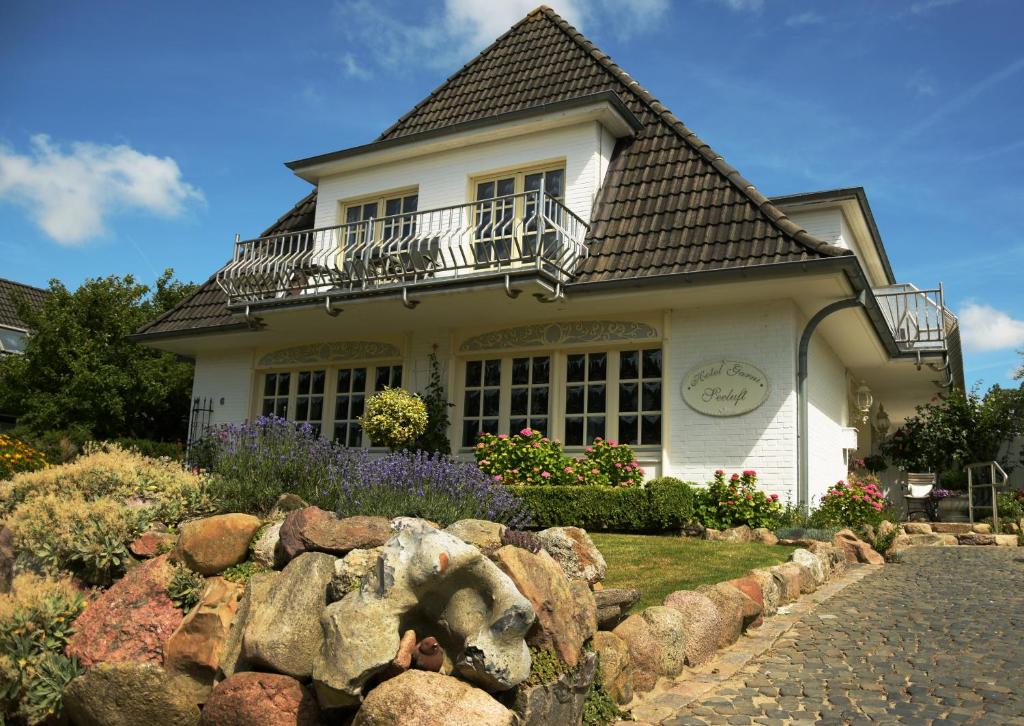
x=660, y=505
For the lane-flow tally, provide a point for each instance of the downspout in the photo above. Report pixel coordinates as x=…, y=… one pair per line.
x=803, y=454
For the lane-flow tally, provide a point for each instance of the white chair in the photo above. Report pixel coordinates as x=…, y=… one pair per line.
x=917, y=495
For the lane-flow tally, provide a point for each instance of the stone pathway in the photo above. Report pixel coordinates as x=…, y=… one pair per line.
x=936, y=639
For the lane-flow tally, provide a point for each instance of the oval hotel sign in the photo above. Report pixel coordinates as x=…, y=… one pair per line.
x=725, y=388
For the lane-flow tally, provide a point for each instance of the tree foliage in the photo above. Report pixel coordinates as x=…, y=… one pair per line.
x=958, y=429
x=80, y=370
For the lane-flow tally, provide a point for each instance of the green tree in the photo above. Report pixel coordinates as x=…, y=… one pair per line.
x=958, y=429
x=80, y=370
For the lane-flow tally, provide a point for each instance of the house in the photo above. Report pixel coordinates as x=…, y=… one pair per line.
x=582, y=264
x=14, y=331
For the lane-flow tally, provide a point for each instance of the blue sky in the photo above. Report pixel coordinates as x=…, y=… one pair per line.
x=140, y=135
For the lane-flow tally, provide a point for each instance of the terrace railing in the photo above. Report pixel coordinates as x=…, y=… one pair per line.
x=525, y=232
x=918, y=319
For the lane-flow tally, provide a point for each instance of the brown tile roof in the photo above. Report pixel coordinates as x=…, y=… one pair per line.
x=9, y=291
x=669, y=203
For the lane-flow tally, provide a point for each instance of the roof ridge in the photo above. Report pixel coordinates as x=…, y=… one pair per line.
x=479, y=56
x=23, y=284
x=773, y=213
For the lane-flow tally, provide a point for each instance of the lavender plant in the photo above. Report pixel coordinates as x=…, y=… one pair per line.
x=254, y=463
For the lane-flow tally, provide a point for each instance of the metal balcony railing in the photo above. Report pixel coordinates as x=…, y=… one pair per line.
x=511, y=234
x=918, y=319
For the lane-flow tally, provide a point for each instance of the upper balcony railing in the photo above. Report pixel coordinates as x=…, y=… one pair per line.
x=918, y=319
x=511, y=234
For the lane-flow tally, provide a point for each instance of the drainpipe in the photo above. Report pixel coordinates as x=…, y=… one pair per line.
x=803, y=450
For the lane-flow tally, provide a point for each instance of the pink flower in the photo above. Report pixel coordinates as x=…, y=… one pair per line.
x=774, y=497
x=545, y=439
x=595, y=472
x=515, y=471
x=612, y=443
x=480, y=445
x=484, y=462
x=618, y=466
x=498, y=477
x=735, y=477
x=567, y=470
x=536, y=444
x=546, y=474
x=526, y=432
x=502, y=436
x=719, y=472
x=590, y=449
x=580, y=478
x=750, y=472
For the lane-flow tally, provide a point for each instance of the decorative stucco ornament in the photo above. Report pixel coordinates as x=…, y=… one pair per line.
x=544, y=334
x=725, y=388
x=330, y=353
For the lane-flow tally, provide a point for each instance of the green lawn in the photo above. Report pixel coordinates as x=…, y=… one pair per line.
x=658, y=565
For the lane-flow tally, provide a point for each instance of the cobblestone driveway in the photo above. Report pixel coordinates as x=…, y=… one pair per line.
x=937, y=639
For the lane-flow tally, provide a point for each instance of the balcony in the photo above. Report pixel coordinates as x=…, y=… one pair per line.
x=919, y=319
x=516, y=235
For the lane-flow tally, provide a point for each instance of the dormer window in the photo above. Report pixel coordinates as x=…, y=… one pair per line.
x=506, y=211
x=360, y=217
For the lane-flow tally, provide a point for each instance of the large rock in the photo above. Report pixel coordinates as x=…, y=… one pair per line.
x=737, y=609
x=478, y=532
x=656, y=641
x=350, y=570
x=703, y=622
x=788, y=576
x=314, y=530
x=976, y=538
x=743, y=533
x=257, y=592
x=283, y=633
x=260, y=699
x=575, y=552
x=935, y=539
x=832, y=558
x=613, y=605
x=765, y=536
x=211, y=545
x=129, y=694
x=428, y=581
x=264, y=546
x=7, y=557
x=1006, y=540
x=750, y=587
x=812, y=562
x=195, y=648
x=560, y=702
x=129, y=622
x=769, y=590
x=917, y=528
x=421, y=698
x=151, y=543
x=566, y=616
x=856, y=550
x=616, y=668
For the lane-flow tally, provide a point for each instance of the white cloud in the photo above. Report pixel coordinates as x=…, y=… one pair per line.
x=922, y=83
x=801, y=19
x=379, y=35
x=71, y=193
x=923, y=7
x=353, y=69
x=984, y=328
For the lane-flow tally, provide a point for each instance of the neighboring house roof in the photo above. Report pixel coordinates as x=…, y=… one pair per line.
x=669, y=204
x=9, y=291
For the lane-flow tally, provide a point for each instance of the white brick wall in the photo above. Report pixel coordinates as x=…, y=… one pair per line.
x=828, y=412
x=765, y=439
x=227, y=376
x=443, y=179
x=825, y=224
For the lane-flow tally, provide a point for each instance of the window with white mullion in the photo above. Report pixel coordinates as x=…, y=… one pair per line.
x=349, y=402
x=276, y=393
x=640, y=397
x=309, y=398
x=482, y=394
x=530, y=394
x=587, y=402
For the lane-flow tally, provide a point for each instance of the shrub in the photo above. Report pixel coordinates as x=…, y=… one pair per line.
x=1011, y=506
x=35, y=624
x=160, y=486
x=531, y=458
x=242, y=571
x=185, y=588
x=255, y=463
x=434, y=438
x=16, y=456
x=738, y=501
x=661, y=505
x=394, y=418
x=172, y=450
x=70, y=533
x=853, y=503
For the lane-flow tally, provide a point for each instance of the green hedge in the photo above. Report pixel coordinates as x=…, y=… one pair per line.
x=661, y=505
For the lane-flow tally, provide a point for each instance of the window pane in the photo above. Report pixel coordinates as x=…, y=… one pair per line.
x=318, y=381
x=341, y=408
x=490, y=425
x=554, y=183
x=540, y=424
x=302, y=409
x=520, y=371
x=629, y=365
x=651, y=429
x=358, y=403
x=628, y=397
x=595, y=427
x=595, y=399
x=316, y=409
x=574, y=431
x=515, y=425
x=382, y=378
x=410, y=202
x=392, y=206
x=396, y=376
x=598, y=365
x=520, y=403
x=269, y=384
x=575, y=368
x=344, y=380
x=472, y=404
x=268, y=406
x=281, y=407
x=652, y=396
x=539, y=402
x=370, y=211
x=574, y=399
x=485, y=190
x=304, y=380
x=492, y=396
x=541, y=369
x=352, y=214
x=474, y=369
x=359, y=379
x=506, y=187
x=355, y=434
x=531, y=182
x=470, y=427
x=628, y=429
x=492, y=373
x=283, y=381
x=652, y=363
